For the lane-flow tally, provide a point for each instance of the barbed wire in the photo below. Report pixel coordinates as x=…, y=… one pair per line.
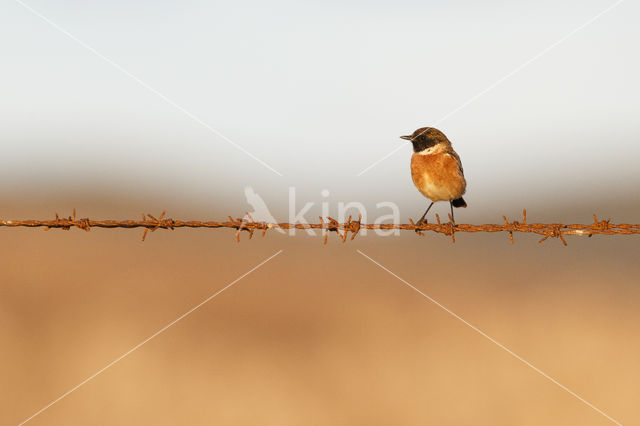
x=353, y=227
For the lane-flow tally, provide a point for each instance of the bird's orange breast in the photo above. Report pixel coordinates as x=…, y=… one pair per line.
x=438, y=176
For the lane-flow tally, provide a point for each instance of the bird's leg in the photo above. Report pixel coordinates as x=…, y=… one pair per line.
x=425, y=214
x=452, y=219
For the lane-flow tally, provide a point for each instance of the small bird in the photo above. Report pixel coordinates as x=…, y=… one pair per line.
x=436, y=169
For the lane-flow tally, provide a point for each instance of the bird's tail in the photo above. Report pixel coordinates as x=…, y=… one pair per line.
x=459, y=202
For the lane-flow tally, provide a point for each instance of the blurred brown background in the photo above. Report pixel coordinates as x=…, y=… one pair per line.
x=319, y=335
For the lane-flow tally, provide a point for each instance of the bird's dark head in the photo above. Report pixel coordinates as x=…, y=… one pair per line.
x=425, y=138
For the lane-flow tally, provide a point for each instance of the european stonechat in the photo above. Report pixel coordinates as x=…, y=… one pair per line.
x=436, y=169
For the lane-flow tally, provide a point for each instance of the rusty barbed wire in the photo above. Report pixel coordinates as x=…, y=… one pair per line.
x=151, y=223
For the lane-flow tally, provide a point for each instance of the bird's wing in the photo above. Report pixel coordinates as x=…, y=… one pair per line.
x=456, y=157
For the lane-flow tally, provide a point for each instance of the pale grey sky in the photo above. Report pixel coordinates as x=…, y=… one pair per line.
x=319, y=92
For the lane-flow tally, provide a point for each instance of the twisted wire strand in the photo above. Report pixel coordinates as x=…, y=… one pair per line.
x=343, y=229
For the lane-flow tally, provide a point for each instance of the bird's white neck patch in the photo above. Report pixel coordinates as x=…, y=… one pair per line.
x=427, y=151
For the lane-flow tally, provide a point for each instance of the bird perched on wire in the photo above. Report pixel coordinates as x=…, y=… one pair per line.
x=436, y=169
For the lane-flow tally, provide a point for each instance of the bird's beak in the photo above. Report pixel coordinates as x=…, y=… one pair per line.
x=406, y=137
